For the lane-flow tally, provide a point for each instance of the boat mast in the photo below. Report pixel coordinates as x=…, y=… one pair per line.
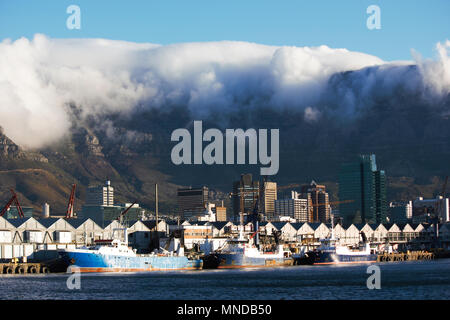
x=156, y=213
x=332, y=226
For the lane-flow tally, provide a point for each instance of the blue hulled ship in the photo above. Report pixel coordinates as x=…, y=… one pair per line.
x=332, y=253
x=116, y=256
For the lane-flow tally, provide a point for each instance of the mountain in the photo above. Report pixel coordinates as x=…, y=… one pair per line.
x=408, y=132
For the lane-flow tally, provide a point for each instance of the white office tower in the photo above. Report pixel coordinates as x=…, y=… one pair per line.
x=294, y=208
x=100, y=195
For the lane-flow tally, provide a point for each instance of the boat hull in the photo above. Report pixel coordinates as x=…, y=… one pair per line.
x=238, y=260
x=95, y=262
x=334, y=258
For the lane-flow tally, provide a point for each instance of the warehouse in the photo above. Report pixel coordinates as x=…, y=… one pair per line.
x=58, y=230
x=86, y=230
x=139, y=236
x=28, y=230
x=7, y=231
x=352, y=235
x=305, y=233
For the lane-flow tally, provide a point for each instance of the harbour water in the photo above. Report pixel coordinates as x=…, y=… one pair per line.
x=399, y=280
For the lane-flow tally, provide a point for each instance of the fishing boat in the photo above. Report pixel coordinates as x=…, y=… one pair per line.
x=331, y=252
x=116, y=256
x=245, y=252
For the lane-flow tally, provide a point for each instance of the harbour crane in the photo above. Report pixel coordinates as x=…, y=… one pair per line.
x=16, y=202
x=119, y=218
x=69, y=212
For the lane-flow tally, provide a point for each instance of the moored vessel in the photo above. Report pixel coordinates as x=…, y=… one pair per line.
x=116, y=256
x=245, y=252
x=331, y=252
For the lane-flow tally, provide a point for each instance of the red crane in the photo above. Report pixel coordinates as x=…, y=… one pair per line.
x=8, y=205
x=69, y=212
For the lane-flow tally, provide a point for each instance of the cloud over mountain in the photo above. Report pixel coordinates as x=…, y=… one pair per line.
x=41, y=79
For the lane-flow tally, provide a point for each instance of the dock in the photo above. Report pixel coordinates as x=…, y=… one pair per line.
x=23, y=268
x=407, y=256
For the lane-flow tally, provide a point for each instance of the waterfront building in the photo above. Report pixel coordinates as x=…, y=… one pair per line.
x=305, y=233
x=268, y=198
x=199, y=234
x=394, y=232
x=274, y=226
x=7, y=231
x=57, y=230
x=111, y=231
x=380, y=233
x=318, y=202
x=100, y=195
x=352, y=235
x=103, y=215
x=400, y=212
x=321, y=231
x=249, y=190
x=288, y=233
x=362, y=183
x=86, y=230
x=192, y=201
x=28, y=230
x=339, y=231
x=367, y=230
x=295, y=208
x=221, y=228
x=408, y=232
x=139, y=236
x=174, y=225
x=163, y=227
x=221, y=213
x=423, y=209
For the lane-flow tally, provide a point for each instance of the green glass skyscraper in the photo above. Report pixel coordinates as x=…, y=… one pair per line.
x=365, y=186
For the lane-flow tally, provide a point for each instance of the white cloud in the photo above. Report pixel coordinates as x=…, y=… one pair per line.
x=39, y=78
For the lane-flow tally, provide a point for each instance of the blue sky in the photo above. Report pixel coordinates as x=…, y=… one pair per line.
x=405, y=24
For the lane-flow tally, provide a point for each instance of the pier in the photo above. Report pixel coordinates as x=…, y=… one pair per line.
x=23, y=268
x=407, y=256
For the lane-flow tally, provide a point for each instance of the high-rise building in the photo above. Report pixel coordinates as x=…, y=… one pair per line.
x=249, y=190
x=268, y=197
x=100, y=195
x=221, y=213
x=192, y=201
x=318, y=203
x=400, y=212
x=295, y=207
x=361, y=183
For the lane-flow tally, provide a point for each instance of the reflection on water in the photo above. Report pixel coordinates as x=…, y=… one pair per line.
x=403, y=280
